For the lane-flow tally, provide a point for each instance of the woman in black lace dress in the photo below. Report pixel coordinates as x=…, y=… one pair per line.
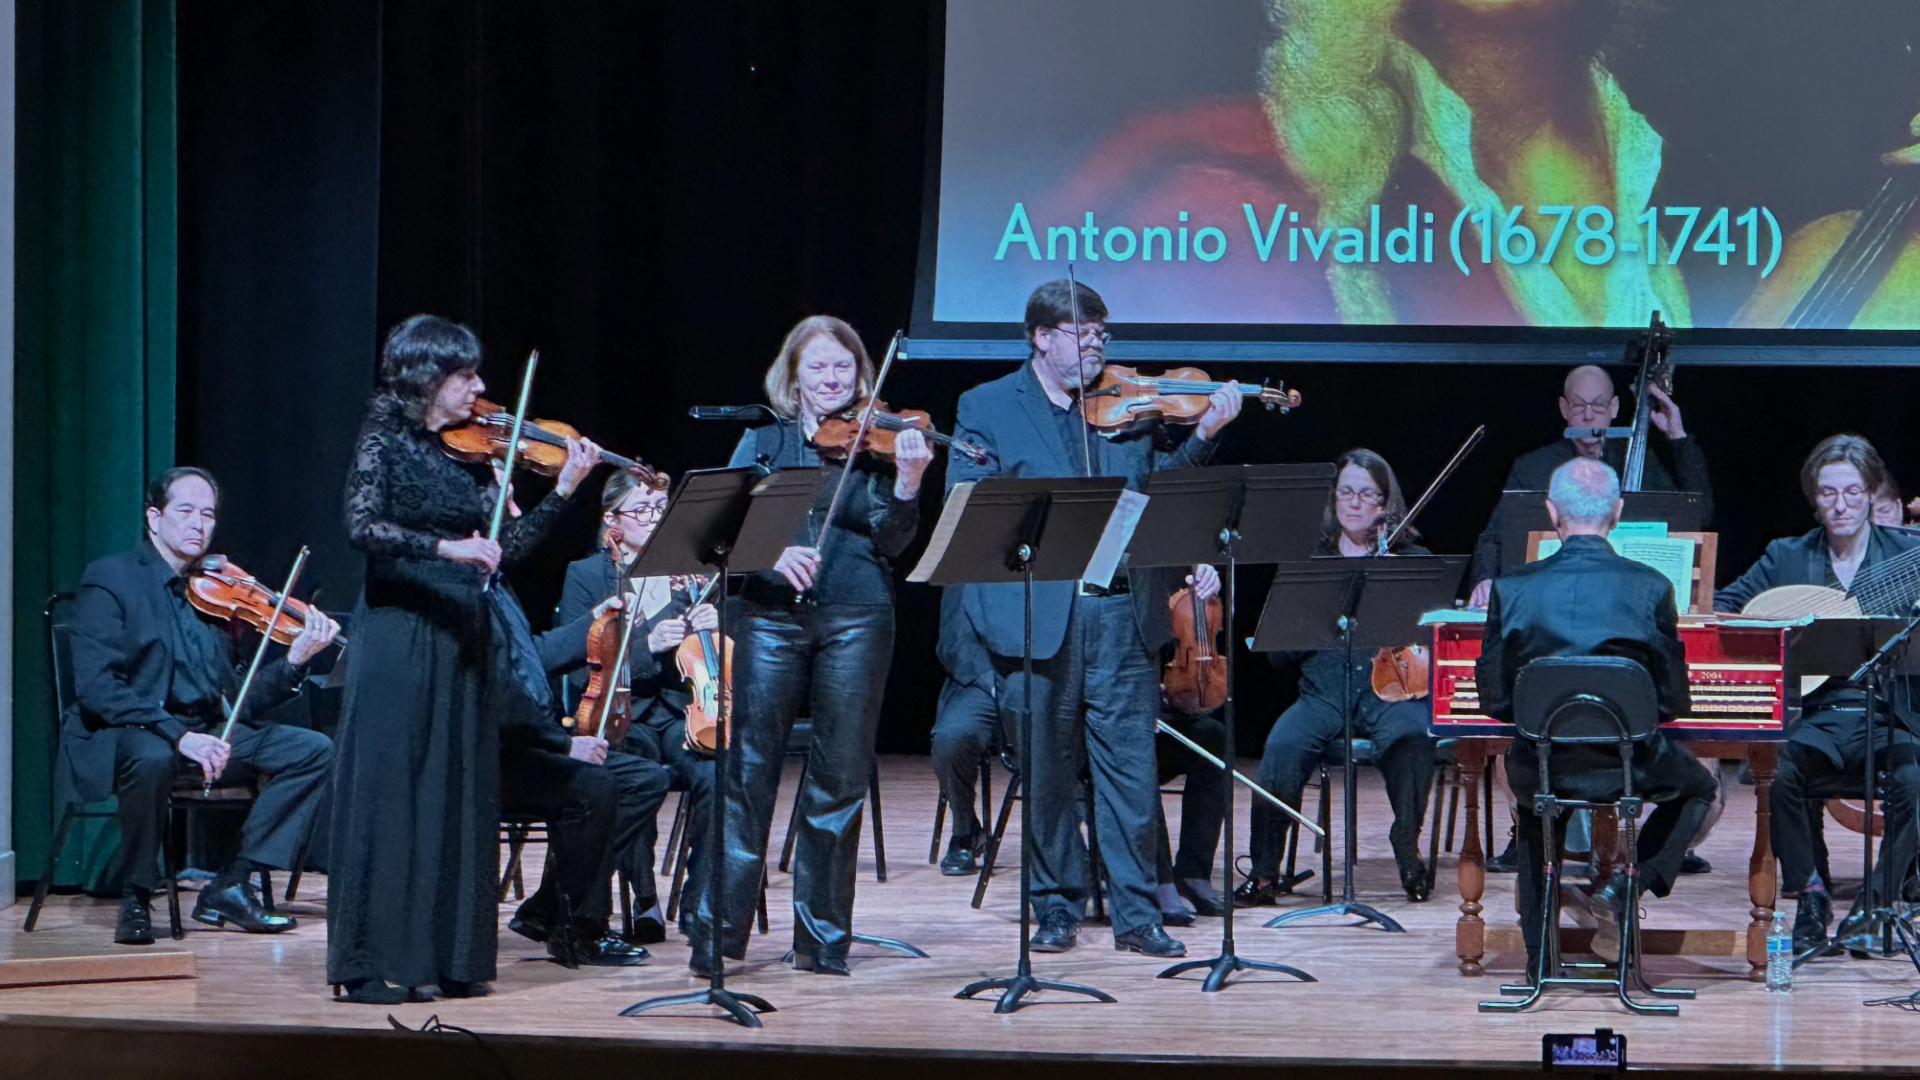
x=411, y=901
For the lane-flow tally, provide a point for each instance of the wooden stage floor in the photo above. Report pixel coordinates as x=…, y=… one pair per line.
x=1380, y=997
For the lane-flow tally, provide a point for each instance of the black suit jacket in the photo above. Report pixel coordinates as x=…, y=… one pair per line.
x=1012, y=420
x=125, y=637
x=1583, y=600
x=651, y=676
x=1671, y=466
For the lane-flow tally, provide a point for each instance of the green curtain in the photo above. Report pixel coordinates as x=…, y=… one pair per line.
x=94, y=342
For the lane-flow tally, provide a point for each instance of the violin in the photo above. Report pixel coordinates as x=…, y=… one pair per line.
x=219, y=588
x=708, y=669
x=543, y=444
x=606, y=708
x=1402, y=674
x=1195, y=680
x=1125, y=400
x=837, y=432
x=1406, y=673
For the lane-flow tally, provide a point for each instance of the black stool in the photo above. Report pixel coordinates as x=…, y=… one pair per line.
x=1590, y=701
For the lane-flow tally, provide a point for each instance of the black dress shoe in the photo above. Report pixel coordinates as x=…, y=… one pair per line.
x=1508, y=861
x=1610, y=915
x=820, y=963
x=1179, y=917
x=960, y=862
x=529, y=926
x=452, y=988
x=136, y=922
x=607, y=950
x=647, y=930
x=1059, y=931
x=1694, y=864
x=1259, y=892
x=700, y=960
x=235, y=902
x=1150, y=940
x=1206, y=899
x=1811, y=918
x=373, y=992
x=1416, y=879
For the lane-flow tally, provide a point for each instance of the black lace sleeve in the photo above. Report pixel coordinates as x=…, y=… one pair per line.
x=519, y=536
x=370, y=524
x=893, y=522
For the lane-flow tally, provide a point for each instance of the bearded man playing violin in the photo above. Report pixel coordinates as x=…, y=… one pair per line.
x=1096, y=675
x=656, y=695
x=153, y=678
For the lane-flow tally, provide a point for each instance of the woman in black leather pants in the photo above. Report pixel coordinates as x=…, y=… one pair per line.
x=814, y=637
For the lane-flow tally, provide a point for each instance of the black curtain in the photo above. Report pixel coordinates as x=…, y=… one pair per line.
x=651, y=194
x=279, y=200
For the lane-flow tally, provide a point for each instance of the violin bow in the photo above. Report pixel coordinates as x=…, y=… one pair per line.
x=1079, y=362
x=860, y=436
x=1387, y=539
x=513, y=451
x=260, y=653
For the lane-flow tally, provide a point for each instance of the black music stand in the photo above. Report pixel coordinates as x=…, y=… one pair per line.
x=724, y=521
x=1345, y=603
x=1239, y=513
x=1862, y=652
x=1523, y=512
x=1005, y=531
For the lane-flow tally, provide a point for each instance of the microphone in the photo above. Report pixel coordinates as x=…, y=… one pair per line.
x=1599, y=433
x=728, y=412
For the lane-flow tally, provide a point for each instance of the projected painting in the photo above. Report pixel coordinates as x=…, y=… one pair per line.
x=1567, y=163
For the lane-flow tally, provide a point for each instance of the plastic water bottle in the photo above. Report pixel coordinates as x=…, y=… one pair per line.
x=1779, y=955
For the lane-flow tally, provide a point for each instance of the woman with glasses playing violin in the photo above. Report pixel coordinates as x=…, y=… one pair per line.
x=656, y=694
x=1366, y=499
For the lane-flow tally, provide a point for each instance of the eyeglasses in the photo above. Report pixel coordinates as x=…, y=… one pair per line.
x=644, y=514
x=1577, y=407
x=1367, y=496
x=1853, y=493
x=1090, y=336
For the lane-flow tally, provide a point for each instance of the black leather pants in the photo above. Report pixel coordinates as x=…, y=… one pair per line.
x=830, y=663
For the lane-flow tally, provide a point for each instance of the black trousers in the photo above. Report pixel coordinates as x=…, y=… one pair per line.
x=1403, y=752
x=1200, y=798
x=963, y=730
x=1815, y=767
x=593, y=813
x=295, y=762
x=1680, y=788
x=660, y=737
x=1094, y=704
x=829, y=661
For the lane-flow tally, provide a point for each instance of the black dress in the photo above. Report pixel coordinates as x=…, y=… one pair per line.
x=411, y=897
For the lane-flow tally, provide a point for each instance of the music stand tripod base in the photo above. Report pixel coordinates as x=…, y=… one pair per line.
x=901, y=947
x=1361, y=913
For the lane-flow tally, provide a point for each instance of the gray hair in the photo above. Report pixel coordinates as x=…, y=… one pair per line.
x=1583, y=492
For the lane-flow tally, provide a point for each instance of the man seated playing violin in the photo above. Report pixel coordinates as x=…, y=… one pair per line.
x=656, y=694
x=1824, y=754
x=154, y=678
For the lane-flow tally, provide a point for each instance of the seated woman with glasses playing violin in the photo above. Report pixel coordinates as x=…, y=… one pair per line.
x=1824, y=755
x=656, y=694
x=1365, y=500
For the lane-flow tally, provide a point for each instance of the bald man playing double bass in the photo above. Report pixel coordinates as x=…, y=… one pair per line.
x=1587, y=399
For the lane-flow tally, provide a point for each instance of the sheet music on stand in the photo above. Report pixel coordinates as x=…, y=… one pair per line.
x=1002, y=514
